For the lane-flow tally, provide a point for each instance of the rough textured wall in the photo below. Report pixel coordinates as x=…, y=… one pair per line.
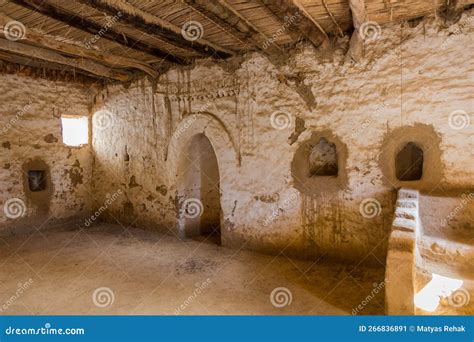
x=414, y=84
x=31, y=139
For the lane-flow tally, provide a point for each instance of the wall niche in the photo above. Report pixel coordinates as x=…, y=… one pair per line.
x=37, y=184
x=410, y=156
x=323, y=159
x=319, y=164
x=409, y=163
x=36, y=180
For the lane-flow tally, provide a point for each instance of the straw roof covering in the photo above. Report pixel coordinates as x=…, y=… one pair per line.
x=118, y=39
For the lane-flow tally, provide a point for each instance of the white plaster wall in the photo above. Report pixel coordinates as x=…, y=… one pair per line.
x=30, y=110
x=409, y=76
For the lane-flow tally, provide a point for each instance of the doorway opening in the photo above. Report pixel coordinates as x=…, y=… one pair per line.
x=199, y=191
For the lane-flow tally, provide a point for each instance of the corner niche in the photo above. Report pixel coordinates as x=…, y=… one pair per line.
x=319, y=164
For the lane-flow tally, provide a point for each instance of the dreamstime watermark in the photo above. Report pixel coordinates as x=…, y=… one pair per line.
x=370, y=207
x=192, y=208
x=465, y=21
x=102, y=119
x=21, y=111
x=108, y=201
x=465, y=199
x=285, y=205
x=281, y=120
x=459, y=119
x=377, y=287
x=46, y=330
x=14, y=208
x=459, y=298
x=367, y=122
x=370, y=31
x=192, y=30
x=109, y=22
x=288, y=22
x=22, y=287
x=281, y=297
x=189, y=120
x=14, y=30
x=199, y=287
x=103, y=297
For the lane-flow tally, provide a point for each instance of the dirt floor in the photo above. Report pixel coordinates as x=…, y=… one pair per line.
x=109, y=269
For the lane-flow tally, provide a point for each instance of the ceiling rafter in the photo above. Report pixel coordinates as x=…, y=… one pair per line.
x=54, y=57
x=153, y=25
x=295, y=18
x=55, y=12
x=33, y=37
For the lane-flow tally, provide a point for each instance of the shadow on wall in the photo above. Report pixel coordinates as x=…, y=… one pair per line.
x=199, y=190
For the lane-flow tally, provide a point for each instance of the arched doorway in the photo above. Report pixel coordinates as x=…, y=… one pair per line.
x=199, y=190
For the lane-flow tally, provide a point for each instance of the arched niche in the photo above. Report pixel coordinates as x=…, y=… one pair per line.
x=209, y=135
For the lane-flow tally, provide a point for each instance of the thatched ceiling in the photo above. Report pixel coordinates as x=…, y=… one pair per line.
x=118, y=39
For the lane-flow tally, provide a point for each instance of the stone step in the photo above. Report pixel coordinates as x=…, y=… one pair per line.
x=407, y=203
x=405, y=224
x=408, y=193
x=406, y=213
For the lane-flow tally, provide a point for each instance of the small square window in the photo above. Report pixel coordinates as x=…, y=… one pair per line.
x=36, y=180
x=75, y=130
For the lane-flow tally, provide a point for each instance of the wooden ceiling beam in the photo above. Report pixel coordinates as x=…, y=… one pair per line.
x=359, y=14
x=151, y=24
x=38, y=39
x=53, y=57
x=51, y=10
x=294, y=17
x=359, y=17
x=41, y=64
x=229, y=19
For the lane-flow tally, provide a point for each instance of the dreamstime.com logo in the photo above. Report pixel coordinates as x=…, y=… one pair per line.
x=102, y=119
x=199, y=287
x=14, y=30
x=281, y=297
x=109, y=22
x=289, y=21
x=465, y=199
x=192, y=30
x=46, y=330
x=285, y=205
x=108, y=202
x=370, y=207
x=377, y=288
x=459, y=119
x=14, y=208
x=281, y=120
x=459, y=298
x=103, y=297
x=370, y=31
x=22, y=287
x=192, y=208
x=21, y=111
x=189, y=120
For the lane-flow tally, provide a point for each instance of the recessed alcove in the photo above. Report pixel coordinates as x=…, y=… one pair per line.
x=409, y=163
x=318, y=165
x=323, y=159
x=37, y=180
